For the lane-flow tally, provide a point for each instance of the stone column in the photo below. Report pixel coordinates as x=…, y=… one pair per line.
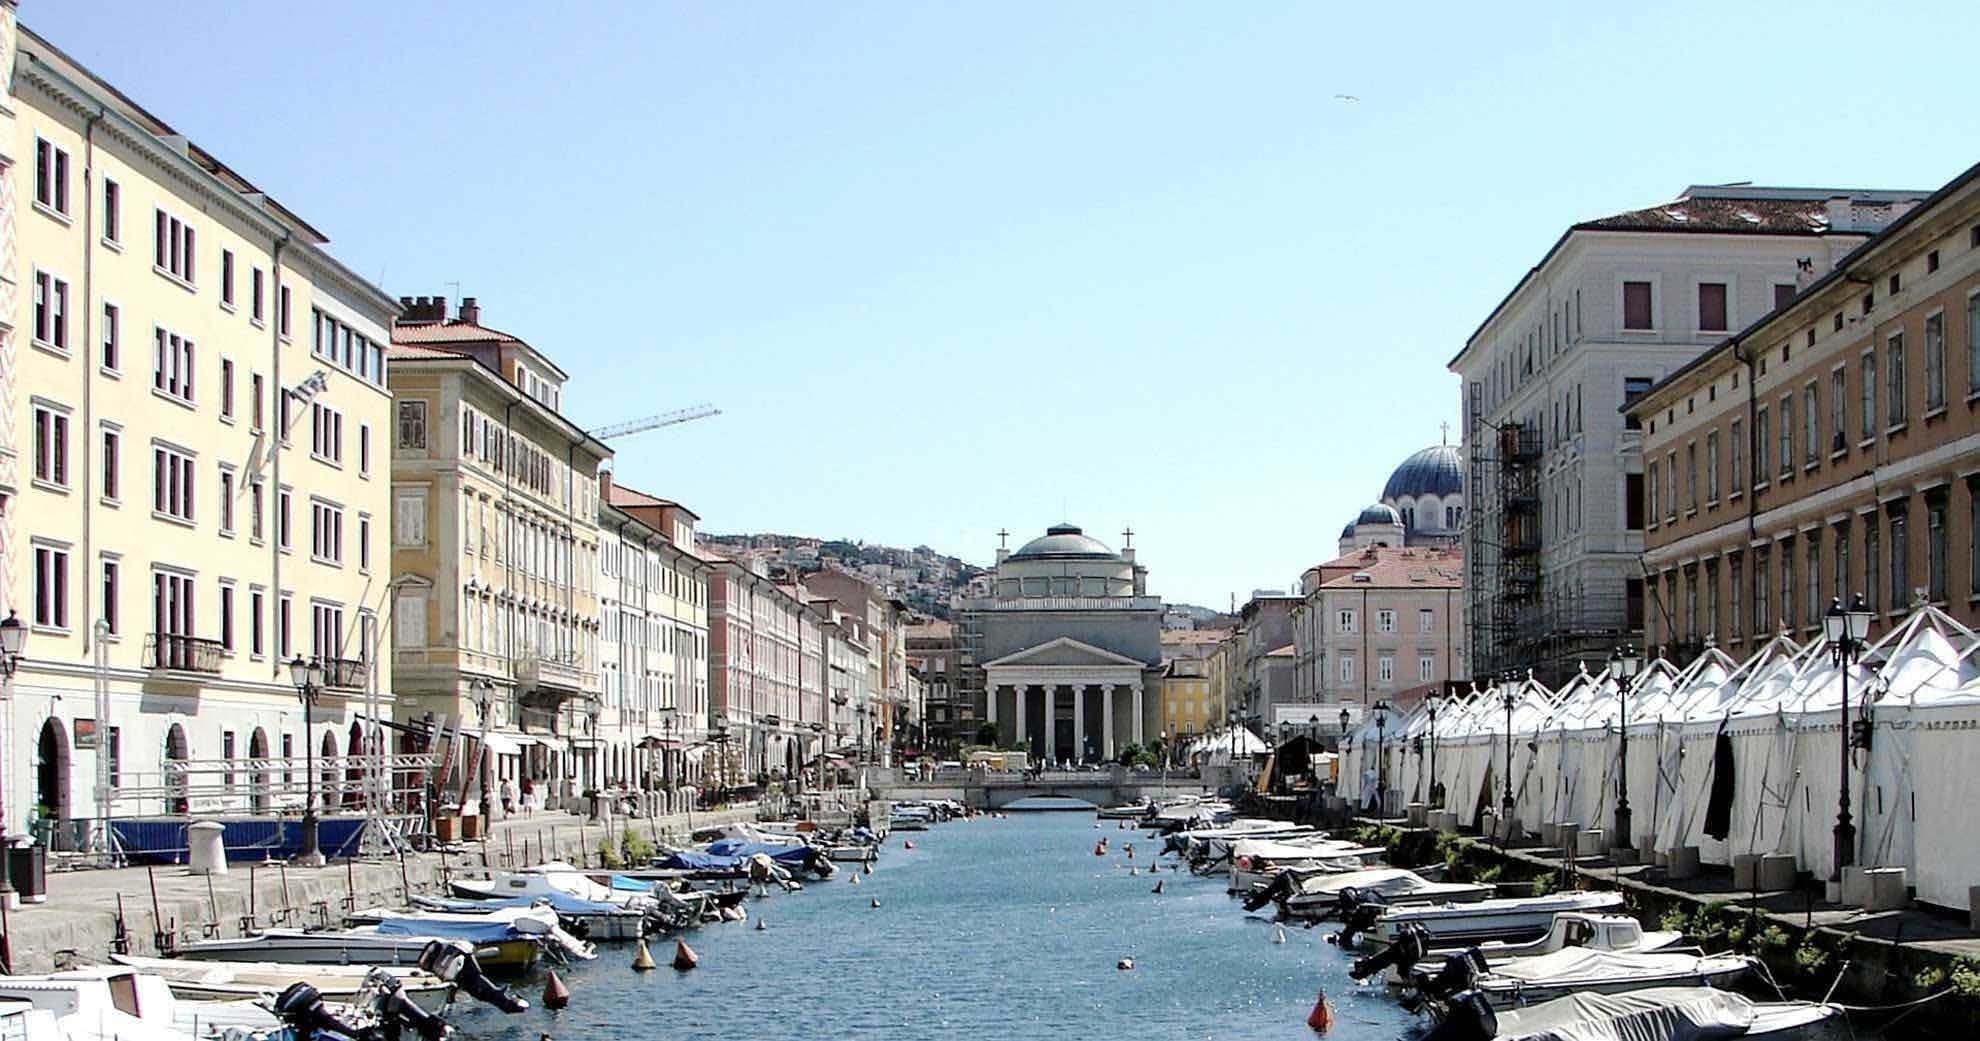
x=1107, y=693
x=1137, y=713
x=1079, y=722
x=990, y=703
x=1018, y=691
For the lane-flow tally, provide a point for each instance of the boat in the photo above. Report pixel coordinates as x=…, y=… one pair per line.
x=1597, y=932
x=119, y=1003
x=233, y=981
x=540, y=923
x=1447, y=925
x=909, y=818
x=1520, y=982
x=1253, y=862
x=730, y=858
x=1125, y=811
x=586, y=907
x=1323, y=894
x=502, y=950
x=1656, y=1014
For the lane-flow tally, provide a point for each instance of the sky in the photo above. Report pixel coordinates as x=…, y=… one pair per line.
x=951, y=268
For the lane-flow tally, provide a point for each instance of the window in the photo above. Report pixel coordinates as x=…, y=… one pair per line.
x=110, y=334
x=51, y=311
x=326, y=630
x=112, y=440
x=1654, y=485
x=326, y=434
x=1761, y=430
x=113, y=212
x=412, y=424
x=1711, y=598
x=326, y=533
x=409, y=519
x=1868, y=404
x=1736, y=443
x=227, y=389
x=1712, y=307
x=51, y=176
x=1634, y=387
x=254, y=511
x=1973, y=344
x=1712, y=466
x=1812, y=580
x=283, y=645
x=364, y=542
x=256, y=304
x=256, y=407
x=409, y=620
x=1347, y=668
x=1900, y=558
x=171, y=483
x=1841, y=568
x=282, y=519
x=1787, y=583
x=1691, y=475
x=111, y=569
x=51, y=445
x=1633, y=502
x=1838, y=410
x=226, y=501
x=364, y=448
x=172, y=247
x=1761, y=580
x=1783, y=294
x=1935, y=361
x=1894, y=377
x=1426, y=620
x=1636, y=306
x=255, y=646
x=51, y=586
x=282, y=311
x=1426, y=668
x=1735, y=583
x=1811, y=423
x=1935, y=546
x=226, y=617
x=1787, y=435
x=1385, y=620
x=1972, y=538
x=172, y=365
x=1385, y=668
x=227, y=278
x=1872, y=575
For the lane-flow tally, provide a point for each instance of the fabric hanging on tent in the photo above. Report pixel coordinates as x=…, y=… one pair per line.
x=1718, y=812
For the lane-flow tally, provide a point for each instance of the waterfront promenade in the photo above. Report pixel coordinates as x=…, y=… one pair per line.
x=78, y=922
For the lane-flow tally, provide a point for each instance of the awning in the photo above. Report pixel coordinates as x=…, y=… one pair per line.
x=658, y=741
x=502, y=744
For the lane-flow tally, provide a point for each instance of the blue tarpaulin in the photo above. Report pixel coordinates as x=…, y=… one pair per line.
x=476, y=933
x=162, y=840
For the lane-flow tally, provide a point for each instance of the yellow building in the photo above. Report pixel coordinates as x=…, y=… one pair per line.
x=196, y=486
x=1187, y=706
x=495, y=545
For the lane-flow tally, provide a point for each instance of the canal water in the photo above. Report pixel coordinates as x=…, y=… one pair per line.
x=989, y=928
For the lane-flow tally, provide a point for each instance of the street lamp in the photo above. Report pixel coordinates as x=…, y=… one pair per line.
x=1436, y=786
x=308, y=679
x=591, y=713
x=1340, y=745
x=1382, y=758
x=13, y=640
x=482, y=693
x=1509, y=698
x=1845, y=631
x=1624, y=665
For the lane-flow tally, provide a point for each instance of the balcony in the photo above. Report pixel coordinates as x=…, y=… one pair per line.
x=345, y=673
x=555, y=678
x=171, y=652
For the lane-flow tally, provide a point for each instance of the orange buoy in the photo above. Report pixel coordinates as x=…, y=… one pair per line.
x=1322, y=1016
x=643, y=958
x=684, y=956
x=555, y=994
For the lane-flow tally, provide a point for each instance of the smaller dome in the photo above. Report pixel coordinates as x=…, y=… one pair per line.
x=1348, y=532
x=1065, y=541
x=1379, y=513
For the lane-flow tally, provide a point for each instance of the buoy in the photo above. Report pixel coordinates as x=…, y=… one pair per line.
x=555, y=994
x=1322, y=1016
x=1130, y=851
x=855, y=880
x=1101, y=849
x=866, y=868
x=643, y=959
x=760, y=926
x=1278, y=934
x=1096, y=824
x=909, y=844
x=684, y=956
x=1134, y=871
x=1124, y=964
x=1159, y=883
x=876, y=901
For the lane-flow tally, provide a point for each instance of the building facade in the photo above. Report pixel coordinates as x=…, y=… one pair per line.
x=1827, y=450
x=879, y=618
x=1553, y=489
x=653, y=639
x=931, y=653
x=1379, y=623
x=758, y=654
x=1256, y=683
x=495, y=547
x=195, y=485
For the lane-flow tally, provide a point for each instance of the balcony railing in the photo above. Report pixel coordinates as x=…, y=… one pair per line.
x=345, y=673
x=175, y=653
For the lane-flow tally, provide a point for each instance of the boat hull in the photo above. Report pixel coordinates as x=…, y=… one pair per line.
x=514, y=955
x=1509, y=994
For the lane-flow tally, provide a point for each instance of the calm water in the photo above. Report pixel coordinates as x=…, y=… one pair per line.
x=991, y=928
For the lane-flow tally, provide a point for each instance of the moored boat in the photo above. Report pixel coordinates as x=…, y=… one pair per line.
x=1520, y=982
x=1445, y=925
x=232, y=981
x=500, y=951
x=1656, y=1014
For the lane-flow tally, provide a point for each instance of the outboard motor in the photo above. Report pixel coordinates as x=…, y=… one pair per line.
x=301, y=1009
x=457, y=965
x=1278, y=889
x=1467, y=1017
x=1459, y=974
x=1359, y=919
x=1408, y=949
x=397, y=1012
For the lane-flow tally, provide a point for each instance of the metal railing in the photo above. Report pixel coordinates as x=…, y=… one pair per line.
x=176, y=653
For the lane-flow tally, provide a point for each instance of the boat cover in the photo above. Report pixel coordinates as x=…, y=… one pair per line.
x=477, y=933
x=1580, y=964
x=1320, y=849
x=1557, y=903
x=734, y=854
x=1656, y=1014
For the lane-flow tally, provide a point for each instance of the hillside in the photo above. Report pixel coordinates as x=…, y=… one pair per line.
x=924, y=579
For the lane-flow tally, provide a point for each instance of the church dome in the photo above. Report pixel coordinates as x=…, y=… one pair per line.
x=1063, y=542
x=1379, y=513
x=1348, y=532
x=1434, y=471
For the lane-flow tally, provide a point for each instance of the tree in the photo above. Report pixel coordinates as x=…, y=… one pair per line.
x=986, y=734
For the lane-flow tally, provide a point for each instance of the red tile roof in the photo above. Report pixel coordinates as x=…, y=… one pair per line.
x=1750, y=216
x=404, y=352
x=1391, y=567
x=1195, y=635
x=452, y=330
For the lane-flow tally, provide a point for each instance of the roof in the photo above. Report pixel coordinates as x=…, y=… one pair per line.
x=933, y=629
x=1395, y=567
x=1709, y=209
x=1437, y=470
x=622, y=496
x=1195, y=635
x=453, y=330
x=1063, y=541
x=1282, y=652
x=1379, y=513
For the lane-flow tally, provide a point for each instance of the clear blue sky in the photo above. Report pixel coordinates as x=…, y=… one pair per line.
x=948, y=269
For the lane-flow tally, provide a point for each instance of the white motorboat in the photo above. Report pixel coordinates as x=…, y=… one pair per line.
x=119, y=1003
x=1595, y=932
x=1184, y=842
x=1447, y=925
x=1253, y=862
x=597, y=910
x=238, y=981
x=539, y=921
x=1319, y=894
x=362, y=945
x=1656, y=1014
x=1520, y=982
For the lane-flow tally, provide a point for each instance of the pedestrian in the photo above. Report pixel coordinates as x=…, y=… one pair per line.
x=508, y=796
x=528, y=795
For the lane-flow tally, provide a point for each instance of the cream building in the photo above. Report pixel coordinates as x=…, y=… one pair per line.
x=194, y=479
x=495, y=545
x=1385, y=622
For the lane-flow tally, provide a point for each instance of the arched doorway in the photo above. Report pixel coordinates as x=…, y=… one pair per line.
x=326, y=769
x=354, y=769
x=176, y=751
x=52, y=782
x=258, y=772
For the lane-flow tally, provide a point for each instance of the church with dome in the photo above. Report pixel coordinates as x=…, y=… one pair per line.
x=1422, y=505
x=1064, y=655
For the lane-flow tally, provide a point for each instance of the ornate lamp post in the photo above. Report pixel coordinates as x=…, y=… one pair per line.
x=13, y=641
x=1624, y=665
x=1846, y=631
x=1341, y=744
x=1436, y=786
x=482, y=693
x=308, y=678
x=1382, y=758
x=591, y=714
x=1508, y=698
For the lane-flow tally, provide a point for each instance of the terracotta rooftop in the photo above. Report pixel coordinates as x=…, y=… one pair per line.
x=452, y=330
x=1392, y=567
x=1282, y=652
x=1750, y=216
x=404, y=351
x=1195, y=635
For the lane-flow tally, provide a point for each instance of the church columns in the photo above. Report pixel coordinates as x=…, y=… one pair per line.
x=1079, y=722
x=1107, y=721
x=990, y=706
x=1137, y=712
x=1018, y=691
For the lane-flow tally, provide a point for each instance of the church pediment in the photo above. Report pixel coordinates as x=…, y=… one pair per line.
x=1065, y=651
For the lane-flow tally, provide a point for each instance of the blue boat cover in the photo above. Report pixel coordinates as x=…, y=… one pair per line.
x=788, y=856
x=476, y=933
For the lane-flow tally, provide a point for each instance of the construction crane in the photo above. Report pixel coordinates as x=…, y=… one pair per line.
x=664, y=419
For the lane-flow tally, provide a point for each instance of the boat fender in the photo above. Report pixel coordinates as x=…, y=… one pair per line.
x=1278, y=933
x=1321, y=1019
x=1125, y=964
x=555, y=994
x=684, y=956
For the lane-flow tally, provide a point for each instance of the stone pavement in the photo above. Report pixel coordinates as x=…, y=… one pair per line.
x=78, y=922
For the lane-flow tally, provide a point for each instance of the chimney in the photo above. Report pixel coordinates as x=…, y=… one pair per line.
x=470, y=310
x=604, y=486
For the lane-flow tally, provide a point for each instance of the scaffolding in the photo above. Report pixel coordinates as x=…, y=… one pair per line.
x=1517, y=621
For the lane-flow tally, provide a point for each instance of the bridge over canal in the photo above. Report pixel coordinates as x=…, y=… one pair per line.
x=995, y=790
